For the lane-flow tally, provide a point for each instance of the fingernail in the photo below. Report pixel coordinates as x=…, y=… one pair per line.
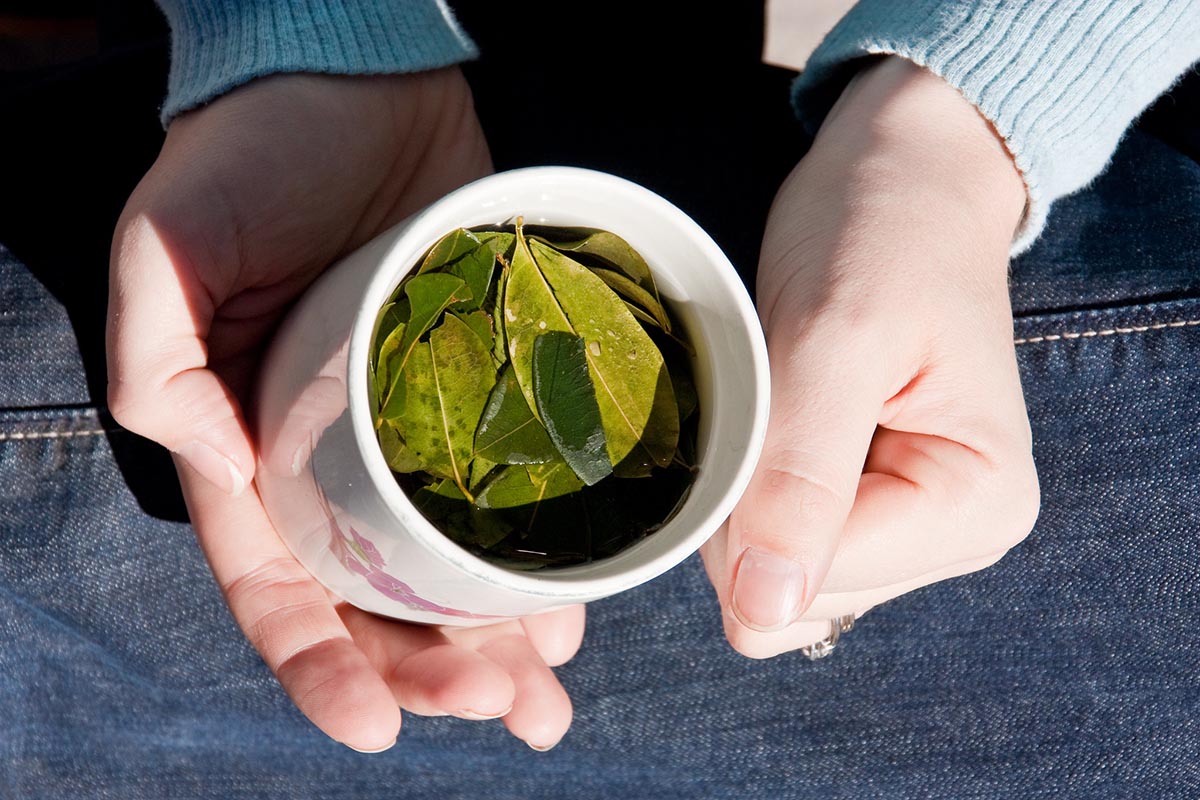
x=542, y=749
x=469, y=714
x=767, y=590
x=298, y=461
x=388, y=746
x=215, y=467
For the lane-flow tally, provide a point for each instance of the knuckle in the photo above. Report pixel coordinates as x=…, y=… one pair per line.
x=326, y=668
x=1016, y=506
x=126, y=403
x=280, y=609
x=786, y=480
x=1026, y=502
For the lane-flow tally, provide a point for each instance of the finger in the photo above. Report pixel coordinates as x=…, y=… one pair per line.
x=556, y=635
x=768, y=644
x=428, y=674
x=815, y=623
x=797, y=635
x=926, y=503
x=836, y=604
x=289, y=619
x=750, y=643
x=785, y=530
x=159, y=383
x=542, y=711
x=452, y=680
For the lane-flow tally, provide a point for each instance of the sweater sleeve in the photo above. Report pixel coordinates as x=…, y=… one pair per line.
x=1061, y=80
x=219, y=44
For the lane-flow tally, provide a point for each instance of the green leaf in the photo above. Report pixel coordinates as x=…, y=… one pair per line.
x=686, y=397
x=390, y=317
x=386, y=347
x=500, y=241
x=395, y=452
x=631, y=291
x=385, y=340
x=496, y=311
x=633, y=389
x=607, y=247
x=511, y=488
x=481, y=468
x=508, y=432
x=529, y=310
x=566, y=402
x=641, y=316
x=448, y=381
x=475, y=269
x=451, y=246
x=519, y=486
x=556, y=477
x=396, y=399
x=388, y=399
x=428, y=295
x=446, y=489
x=479, y=322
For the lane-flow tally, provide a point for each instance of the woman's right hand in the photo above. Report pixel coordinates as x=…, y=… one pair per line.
x=251, y=198
x=898, y=452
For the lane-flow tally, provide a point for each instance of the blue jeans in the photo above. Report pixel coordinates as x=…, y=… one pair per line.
x=1070, y=669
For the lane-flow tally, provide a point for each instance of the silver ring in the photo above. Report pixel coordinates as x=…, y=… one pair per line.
x=825, y=647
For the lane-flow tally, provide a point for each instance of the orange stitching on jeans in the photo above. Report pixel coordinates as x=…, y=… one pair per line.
x=1158, y=326
x=5, y=437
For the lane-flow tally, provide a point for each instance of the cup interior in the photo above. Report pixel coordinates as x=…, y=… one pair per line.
x=707, y=298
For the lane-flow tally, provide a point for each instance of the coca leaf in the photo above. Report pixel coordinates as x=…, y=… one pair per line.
x=481, y=325
x=450, y=247
x=527, y=486
x=509, y=433
x=631, y=291
x=395, y=451
x=390, y=389
x=428, y=295
x=475, y=269
x=567, y=404
x=391, y=316
x=633, y=389
x=529, y=310
x=448, y=381
x=607, y=247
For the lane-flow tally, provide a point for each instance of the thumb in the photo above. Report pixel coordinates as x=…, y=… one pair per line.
x=825, y=401
x=159, y=381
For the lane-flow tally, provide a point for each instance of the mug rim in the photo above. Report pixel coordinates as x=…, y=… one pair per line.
x=557, y=583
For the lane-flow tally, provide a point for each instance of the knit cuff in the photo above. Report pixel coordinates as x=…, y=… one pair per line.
x=220, y=44
x=1061, y=80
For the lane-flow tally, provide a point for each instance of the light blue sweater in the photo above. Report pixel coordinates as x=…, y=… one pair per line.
x=1061, y=80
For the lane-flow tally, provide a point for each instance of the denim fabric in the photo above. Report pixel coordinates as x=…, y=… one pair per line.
x=1069, y=670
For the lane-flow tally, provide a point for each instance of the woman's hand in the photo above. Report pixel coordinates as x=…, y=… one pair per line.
x=249, y=200
x=898, y=450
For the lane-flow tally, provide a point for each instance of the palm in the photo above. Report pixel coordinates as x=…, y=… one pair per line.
x=250, y=199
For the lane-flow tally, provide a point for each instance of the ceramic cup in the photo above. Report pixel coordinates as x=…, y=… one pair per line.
x=323, y=478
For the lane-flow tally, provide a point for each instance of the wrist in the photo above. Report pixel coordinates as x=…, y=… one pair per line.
x=898, y=124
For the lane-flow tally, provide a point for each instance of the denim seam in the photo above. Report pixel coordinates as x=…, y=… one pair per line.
x=1158, y=326
x=4, y=437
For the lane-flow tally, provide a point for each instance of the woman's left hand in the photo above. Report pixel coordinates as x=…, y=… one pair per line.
x=898, y=449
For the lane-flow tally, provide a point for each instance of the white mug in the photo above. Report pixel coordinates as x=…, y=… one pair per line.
x=322, y=475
